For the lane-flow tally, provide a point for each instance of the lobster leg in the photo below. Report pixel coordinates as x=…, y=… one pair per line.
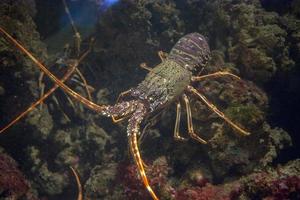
x=162, y=55
x=216, y=74
x=117, y=120
x=177, y=123
x=84, y=83
x=145, y=66
x=217, y=111
x=133, y=130
x=122, y=94
x=190, y=122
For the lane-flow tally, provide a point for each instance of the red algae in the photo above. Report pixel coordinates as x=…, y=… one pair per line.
x=13, y=184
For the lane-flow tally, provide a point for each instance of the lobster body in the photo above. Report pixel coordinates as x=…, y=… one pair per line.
x=162, y=85
x=168, y=80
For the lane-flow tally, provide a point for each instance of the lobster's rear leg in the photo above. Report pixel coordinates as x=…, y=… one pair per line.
x=190, y=122
x=145, y=66
x=85, y=84
x=121, y=96
x=177, y=123
x=216, y=74
x=162, y=55
x=217, y=111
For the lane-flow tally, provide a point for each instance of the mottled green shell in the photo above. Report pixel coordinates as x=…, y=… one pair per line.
x=163, y=84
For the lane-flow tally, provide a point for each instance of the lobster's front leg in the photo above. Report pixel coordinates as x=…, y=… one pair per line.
x=133, y=130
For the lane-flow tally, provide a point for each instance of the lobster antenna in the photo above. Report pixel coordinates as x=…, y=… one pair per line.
x=140, y=164
x=46, y=95
x=80, y=196
x=91, y=105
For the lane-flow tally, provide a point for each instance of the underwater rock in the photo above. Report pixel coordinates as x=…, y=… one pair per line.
x=282, y=182
x=42, y=121
x=16, y=69
x=276, y=140
x=209, y=192
x=46, y=181
x=157, y=172
x=242, y=156
x=100, y=181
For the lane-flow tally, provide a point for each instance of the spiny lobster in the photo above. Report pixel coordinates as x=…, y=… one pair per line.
x=169, y=82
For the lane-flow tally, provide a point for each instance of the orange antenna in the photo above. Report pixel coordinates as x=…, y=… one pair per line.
x=80, y=196
x=91, y=105
x=31, y=107
x=140, y=165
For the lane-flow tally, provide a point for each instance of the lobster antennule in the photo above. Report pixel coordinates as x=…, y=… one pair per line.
x=71, y=92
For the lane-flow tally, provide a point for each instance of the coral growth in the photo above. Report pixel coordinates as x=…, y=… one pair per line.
x=278, y=184
x=132, y=186
x=209, y=192
x=282, y=183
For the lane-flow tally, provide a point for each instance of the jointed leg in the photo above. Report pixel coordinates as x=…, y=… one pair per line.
x=177, y=123
x=80, y=196
x=85, y=84
x=88, y=87
x=150, y=122
x=60, y=108
x=190, y=122
x=162, y=55
x=145, y=66
x=116, y=119
x=217, y=111
x=42, y=87
x=122, y=94
x=121, y=110
x=216, y=74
